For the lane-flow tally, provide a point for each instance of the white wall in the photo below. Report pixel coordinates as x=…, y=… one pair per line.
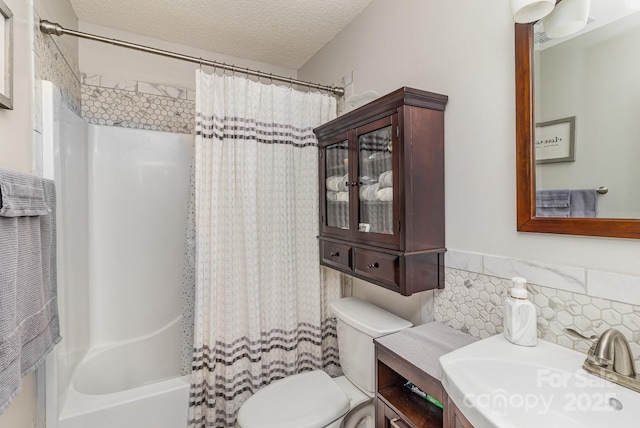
x=464, y=49
x=15, y=153
x=103, y=59
x=15, y=125
x=418, y=308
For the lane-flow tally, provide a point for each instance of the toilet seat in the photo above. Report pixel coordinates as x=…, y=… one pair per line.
x=306, y=400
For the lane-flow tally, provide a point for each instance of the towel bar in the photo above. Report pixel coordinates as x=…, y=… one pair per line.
x=602, y=190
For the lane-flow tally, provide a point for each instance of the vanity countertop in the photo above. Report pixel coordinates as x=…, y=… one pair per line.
x=423, y=345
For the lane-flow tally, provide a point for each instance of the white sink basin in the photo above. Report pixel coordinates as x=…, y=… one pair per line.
x=498, y=384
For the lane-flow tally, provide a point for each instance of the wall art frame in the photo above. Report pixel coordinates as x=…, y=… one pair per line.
x=556, y=140
x=6, y=57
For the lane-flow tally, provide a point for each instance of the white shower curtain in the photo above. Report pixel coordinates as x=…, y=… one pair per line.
x=261, y=304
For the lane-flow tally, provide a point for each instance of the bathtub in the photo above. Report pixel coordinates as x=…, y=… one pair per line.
x=146, y=392
x=120, y=250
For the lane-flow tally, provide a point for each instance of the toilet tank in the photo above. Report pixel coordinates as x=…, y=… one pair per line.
x=360, y=322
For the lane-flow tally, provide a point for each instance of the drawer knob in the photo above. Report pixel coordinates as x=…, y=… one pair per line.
x=373, y=265
x=335, y=254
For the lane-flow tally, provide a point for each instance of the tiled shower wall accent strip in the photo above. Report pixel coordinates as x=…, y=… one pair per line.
x=53, y=63
x=133, y=104
x=472, y=299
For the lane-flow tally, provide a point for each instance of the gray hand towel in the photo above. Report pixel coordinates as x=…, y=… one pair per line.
x=553, y=198
x=553, y=203
x=29, y=326
x=553, y=212
x=584, y=203
x=21, y=195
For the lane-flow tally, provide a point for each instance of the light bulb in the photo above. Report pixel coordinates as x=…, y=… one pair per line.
x=569, y=17
x=526, y=11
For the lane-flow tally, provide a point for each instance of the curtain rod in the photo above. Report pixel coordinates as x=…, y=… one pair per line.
x=53, y=28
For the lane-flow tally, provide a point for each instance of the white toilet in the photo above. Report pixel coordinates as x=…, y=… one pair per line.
x=315, y=400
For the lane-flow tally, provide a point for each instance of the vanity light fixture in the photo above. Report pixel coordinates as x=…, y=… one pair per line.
x=633, y=4
x=526, y=11
x=569, y=17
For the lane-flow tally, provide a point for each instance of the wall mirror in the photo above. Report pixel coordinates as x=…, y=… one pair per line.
x=578, y=124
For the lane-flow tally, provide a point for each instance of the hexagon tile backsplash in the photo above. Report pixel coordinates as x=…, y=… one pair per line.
x=133, y=104
x=472, y=302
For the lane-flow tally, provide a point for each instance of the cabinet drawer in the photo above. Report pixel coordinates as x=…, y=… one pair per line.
x=380, y=267
x=398, y=423
x=337, y=255
x=389, y=419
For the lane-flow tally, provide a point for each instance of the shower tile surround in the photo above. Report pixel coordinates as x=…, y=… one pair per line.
x=53, y=62
x=134, y=104
x=105, y=100
x=476, y=284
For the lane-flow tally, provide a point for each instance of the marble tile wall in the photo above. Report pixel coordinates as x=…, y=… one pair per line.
x=53, y=62
x=134, y=104
x=564, y=296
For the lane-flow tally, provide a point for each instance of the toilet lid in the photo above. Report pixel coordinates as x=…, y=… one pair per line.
x=306, y=400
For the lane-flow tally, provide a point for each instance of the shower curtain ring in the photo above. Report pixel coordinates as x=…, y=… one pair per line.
x=247, y=72
x=200, y=62
x=291, y=82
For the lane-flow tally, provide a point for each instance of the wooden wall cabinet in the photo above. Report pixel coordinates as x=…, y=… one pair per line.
x=382, y=191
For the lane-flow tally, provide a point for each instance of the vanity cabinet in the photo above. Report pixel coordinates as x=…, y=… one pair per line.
x=412, y=355
x=382, y=191
x=455, y=418
x=396, y=405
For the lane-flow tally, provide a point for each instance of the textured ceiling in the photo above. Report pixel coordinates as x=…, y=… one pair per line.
x=280, y=32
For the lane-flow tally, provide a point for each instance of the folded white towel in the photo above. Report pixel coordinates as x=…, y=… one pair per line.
x=337, y=183
x=338, y=196
x=385, y=194
x=368, y=192
x=332, y=183
x=386, y=179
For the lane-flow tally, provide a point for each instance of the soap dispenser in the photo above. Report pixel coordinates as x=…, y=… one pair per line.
x=519, y=320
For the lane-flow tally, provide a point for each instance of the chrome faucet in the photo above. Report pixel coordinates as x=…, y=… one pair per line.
x=610, y=358
x=612, y=350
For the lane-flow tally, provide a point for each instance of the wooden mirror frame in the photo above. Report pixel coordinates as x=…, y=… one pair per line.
x=525, y=162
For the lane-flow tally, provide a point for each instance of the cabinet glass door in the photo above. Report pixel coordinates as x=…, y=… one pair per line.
x=336, y=185
x=375, y=180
